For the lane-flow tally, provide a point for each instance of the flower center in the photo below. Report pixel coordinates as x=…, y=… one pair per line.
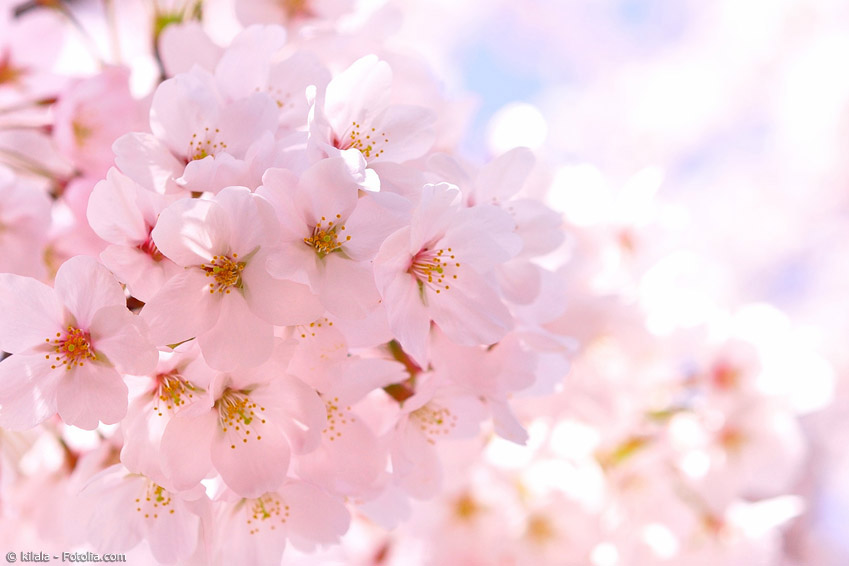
x=153, y=501
x=266, y=512
x=432, y=268
x=72, y=349
x=9, y=73
x=325, y=236
x=149, y=247
x=434, y=421
x=204, y=145
x=367, y=140
x=338, y=417
x=226, y=271
x=172, y=390
x=238, y=416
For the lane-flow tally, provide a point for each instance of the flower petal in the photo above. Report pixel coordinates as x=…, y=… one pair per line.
x=296, y=408
x=315, y=516
x=31, y=313
x=85, y=286
x=346, y=288
x=182, y=309
x=192, y=231
x=122, y=337
x=278, y=301
x=91, y=393
x=239, y=338
x=186, y=448
x=251, y=464
x=27, y=391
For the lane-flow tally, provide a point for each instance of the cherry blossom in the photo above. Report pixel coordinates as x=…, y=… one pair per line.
x=436, y=270
x=68, y=344
x=228, y=300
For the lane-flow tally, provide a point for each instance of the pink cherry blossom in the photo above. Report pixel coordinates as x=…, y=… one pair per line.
x=329, y=233
x=436, y=270
x=354, y=113
x=24, y=216
x=68, y=345
x=123, y=213
x=255, y=530
x=224, y=297
x=200, y=142
x=128, y=508
x=245, y=428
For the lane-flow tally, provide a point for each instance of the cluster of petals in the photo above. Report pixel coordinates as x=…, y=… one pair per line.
x=258, y=308
x=270, y=285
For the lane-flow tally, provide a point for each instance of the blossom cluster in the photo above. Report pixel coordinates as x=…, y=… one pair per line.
x=271, y=287
x=260, y=305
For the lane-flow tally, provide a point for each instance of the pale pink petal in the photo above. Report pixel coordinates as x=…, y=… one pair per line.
x=447, y=168
x=346, y=288
x=415, y=464
x=409, y=131
x=376, y=217
x=142, y=430
x=85, y=287
x=503, y=177
x=27, y=391
x=91, y=393
x=186, y=446
x=369, y=332
x=147, y=161
x=278, y=301
x=360, y=90
x=214, y=172
x=192, y=231
x=484, y=235
x=113, y=213
x=251, y=464
x=327, y=189
x=173, y=536
x=408, y=316
x=315, y=517
x=539, y=227
x=434, y=214
x=260, y=541
x=251, y=218
x=183, y=45
x=519, y=281
x=288, y=81
x=244, y=121
x=141, y=273
x=239, y=338
x=111, y=493
x=31, y=313
x=506, y=424
x=245, y=65
x=183, y=106
x=296, y=408
x=294, y=261
x=122, y=337
x=349, y=461
x=471, y=312
x=361, y=376
x=182, y=309
x=279, y=187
